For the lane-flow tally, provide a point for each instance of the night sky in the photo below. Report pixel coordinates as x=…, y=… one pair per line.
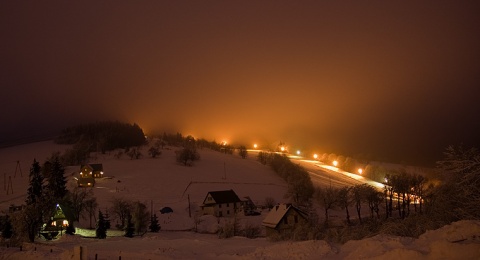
x=396, y=80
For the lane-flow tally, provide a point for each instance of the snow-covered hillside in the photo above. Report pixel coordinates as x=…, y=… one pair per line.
x=162, y=182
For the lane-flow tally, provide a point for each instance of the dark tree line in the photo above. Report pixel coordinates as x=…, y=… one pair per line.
x=300, y=188
x=99, y=136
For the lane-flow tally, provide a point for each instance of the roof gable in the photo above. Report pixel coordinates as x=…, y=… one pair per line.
x=277, y=213
x=225, y=196
x=93, y=166
x=97, y=167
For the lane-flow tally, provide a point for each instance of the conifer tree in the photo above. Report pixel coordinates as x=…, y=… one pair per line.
x=154, y=226
x=33, y=212
x=101, y=231
x=7, y=230
x=35, y=191
x=56, y=181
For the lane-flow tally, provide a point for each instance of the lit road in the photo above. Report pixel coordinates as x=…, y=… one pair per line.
x=325, y=175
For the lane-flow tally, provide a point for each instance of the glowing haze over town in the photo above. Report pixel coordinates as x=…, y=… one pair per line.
x=397, y=81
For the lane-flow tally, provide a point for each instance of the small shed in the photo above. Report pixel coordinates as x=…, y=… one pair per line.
x=224, y=203
x=283, y=219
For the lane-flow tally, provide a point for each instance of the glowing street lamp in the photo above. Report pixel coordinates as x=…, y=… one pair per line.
x=298, y=152
x=315, y=156
x=360, y=170
x=255, y=146
x=335, y=163
x=282, y=148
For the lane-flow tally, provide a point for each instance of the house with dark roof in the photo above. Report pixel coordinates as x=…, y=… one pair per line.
x=58, y=223
x=283, y=219
x=224, y=203
x=88, y=173
x=94, y=170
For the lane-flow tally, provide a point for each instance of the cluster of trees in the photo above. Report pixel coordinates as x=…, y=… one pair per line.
x=233, y=227
x=300, y=187
x=188, y=154
x=179, y=140
x=47, y=187
x=101, y=137
x=132, y=217
x=408, y=205
x=458, y=197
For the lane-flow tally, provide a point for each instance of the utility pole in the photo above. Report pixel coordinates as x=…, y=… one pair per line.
x=151, y=209
x=189, y=210
x=224, y=171
x=18, y=168
x=10, y=186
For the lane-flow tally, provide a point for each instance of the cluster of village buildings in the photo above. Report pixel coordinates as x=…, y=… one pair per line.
x=280, y=219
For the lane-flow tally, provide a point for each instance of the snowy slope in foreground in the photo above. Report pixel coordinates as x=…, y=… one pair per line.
x=461, y=240
x=164, y=183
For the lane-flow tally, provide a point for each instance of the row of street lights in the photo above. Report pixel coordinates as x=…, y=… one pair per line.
x=315, y=156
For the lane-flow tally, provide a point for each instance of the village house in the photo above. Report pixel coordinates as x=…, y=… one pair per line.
x=222, y=203
x=91, y=170
x=283, y=219
x=58, y=222
x=249, y=208
x=88, y=173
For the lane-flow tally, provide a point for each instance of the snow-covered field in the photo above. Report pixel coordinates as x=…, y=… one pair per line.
x=161, y=182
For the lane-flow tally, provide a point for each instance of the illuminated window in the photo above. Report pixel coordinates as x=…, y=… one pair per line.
x=65, y=222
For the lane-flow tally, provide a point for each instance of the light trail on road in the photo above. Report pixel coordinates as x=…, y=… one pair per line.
x=325, y=175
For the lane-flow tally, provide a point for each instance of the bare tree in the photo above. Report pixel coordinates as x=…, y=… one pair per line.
x=154, y=151
x=77, y=201
x=134, y=153
x=91, y=206
x=140, y=217
x=242, y=151
x=327, y=198
x=345, y=200
x=374, y=199
x=187, y=156
x=269, y=202
x=121, y=208
x=359, y=192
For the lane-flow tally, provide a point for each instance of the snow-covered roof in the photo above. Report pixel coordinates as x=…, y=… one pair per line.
x=276, y=214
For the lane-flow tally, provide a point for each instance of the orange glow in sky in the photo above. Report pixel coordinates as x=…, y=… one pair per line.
x=385, y=80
